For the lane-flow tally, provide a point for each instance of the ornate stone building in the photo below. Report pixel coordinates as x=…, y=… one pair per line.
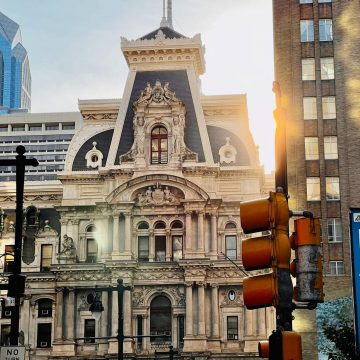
x=150, y=194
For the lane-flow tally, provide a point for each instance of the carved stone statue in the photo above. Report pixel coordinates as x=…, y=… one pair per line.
x=157, y=196
x=139, y=135
x=68, y=247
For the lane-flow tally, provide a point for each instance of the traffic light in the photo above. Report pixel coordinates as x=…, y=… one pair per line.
x=307, y=266
x=270, y=251
x=285, y=345
x=16, y=286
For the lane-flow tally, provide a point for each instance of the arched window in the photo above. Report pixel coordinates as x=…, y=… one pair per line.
x=159, y=145
x=230, y=241
x=177, y=240
x=160, y=318
x=91, y=244
x=143, y=241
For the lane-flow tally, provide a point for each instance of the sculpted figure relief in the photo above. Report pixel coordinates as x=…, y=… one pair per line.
x=157, y=195
x=68, y=247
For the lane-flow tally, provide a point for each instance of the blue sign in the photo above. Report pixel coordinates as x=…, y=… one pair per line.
x=355, y=255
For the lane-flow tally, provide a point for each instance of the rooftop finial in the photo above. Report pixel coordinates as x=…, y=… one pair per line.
x=164, y=22
x=169, y=14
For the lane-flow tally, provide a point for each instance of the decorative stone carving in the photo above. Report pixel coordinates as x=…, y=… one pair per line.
x=231, y=296
x=227, y=153
x=68, y=253
x=94, y=157
x=158, y=195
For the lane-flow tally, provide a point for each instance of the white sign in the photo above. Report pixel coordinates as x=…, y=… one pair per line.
x=9, y=301
x=356, y=217
x=12, y=353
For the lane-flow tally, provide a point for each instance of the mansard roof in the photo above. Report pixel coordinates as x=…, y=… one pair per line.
x=168, y=32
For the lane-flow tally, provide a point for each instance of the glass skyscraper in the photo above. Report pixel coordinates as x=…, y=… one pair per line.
x=15, y=77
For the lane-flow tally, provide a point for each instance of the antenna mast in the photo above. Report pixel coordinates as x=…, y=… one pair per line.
x=169, y=14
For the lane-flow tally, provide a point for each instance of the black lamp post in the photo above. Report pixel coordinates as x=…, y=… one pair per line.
x=97, y=307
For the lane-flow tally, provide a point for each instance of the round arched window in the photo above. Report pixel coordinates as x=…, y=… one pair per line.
x=160, y=318
x=159, y=145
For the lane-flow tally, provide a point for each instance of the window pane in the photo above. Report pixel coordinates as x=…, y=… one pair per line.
x=309, y=105
x=46, y=257
x=143, y=248
x=313, y=189
x=91, y=250
x=44, y=335
x=160, y=248
x=334, y=230
x=327, y=68
x=89, y=330
x=329, y=107
x=325, y=30
x=330, y=147
x=325, y=1
x=308, y=69
x=177, y=247
x=306, y=30
x=311, y=148
x=5, y=335
x=336, y=267
x=230, y=241
x=306, y=1
x=232, y=328
x=332, y=188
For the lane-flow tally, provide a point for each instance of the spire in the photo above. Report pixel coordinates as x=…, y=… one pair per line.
x=164, y=22
x=169, y=14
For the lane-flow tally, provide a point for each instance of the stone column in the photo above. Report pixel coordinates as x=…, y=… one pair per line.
x=146, y=331
x=201, y=247
x=70, y=315
x=104, y=315
x=63, y=224
x=213, y=245
x=116, y=237
x=127, y=311
x=58, y=336
x=188, y=230
x=25, y=320
x=248, y=315
x=189, y=310
x=128, y=239
x=215, y=310
x=261, y=324
x=151, y=246
x=201, y=308
x=168, y=255
x=174, y=334
x=75, y=230
x=113, y=347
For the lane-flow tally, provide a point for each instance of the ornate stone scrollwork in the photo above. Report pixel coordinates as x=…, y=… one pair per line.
x=158, y=195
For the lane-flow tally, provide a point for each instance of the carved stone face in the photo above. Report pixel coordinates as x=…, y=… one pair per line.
x=140, y=121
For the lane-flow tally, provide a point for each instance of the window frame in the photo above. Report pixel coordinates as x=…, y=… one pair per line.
x=335, y=196
x=336, y=225
x=331, y=148
x=317, y=193
x=326, y=31
x=43, y=259
x=308, y=63
x=44, y=336
x=324, y=65
x=156, y=139
x=89, y=338
x=309, y=103
x=228, y=249
x=307, y=30
x=328, y=104
x=232, y=333
x=311, y=148
x=336, y=271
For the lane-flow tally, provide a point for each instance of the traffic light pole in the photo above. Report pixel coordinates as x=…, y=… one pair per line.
x=20, y=162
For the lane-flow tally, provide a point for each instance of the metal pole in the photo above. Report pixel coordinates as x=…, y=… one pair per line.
x=120, y=290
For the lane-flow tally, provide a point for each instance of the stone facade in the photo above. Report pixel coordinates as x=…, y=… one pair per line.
x=150, y=194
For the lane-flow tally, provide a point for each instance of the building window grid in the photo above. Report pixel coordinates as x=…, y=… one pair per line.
x=328, y=107
x=336, y=267
x=327, y=68
x=332, y=189
x=306, y=30
x=334, y=230
x=309, y=108
x=325, y=30
x=313, y=188
x=330, y=147
x=311, y=148
x=308, y=69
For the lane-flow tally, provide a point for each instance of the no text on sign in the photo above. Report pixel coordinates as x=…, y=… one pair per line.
x=12, y=353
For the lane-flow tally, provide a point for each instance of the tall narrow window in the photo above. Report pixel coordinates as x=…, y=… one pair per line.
x=44, y=335
x=46, y=257
x=311, y=148
x=177, y=245
x=309, y=106
x=330, y=147
x=306, y=30
x=160, y=248
x=327, y=68
x=5, y=335
x=325, y=30
x=160, y=318
x=313, y=188
x=143, y=248
x=332, y=188
x=139, y=321
x=232, y=328
x=89, y=330
x=230, y=241
x=159, y=146
x=334, y=230
x=308, y=69
x=92, y=250
x=329, y=107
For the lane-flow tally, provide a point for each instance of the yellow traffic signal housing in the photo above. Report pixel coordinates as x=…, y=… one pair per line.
x=285, y=345
x=307, y=267
x=263, y=349
x=272, y=251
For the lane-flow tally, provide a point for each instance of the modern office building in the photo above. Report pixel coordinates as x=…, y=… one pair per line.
x=149, y=194
x=15, y=77
x=46, y=137
x=317, y=65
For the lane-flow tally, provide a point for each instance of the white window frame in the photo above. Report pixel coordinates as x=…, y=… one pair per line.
x=332, y=188
x=309, y=108
x=335, y=268
x=336, y=226
x=308, y=69
x=313, y=184
x=311, y=148
x=305, y=1
x=325, y=30
x=306, y=30
x=327, y=68
x=328, y=107
x=330, y=147
x=324, y=1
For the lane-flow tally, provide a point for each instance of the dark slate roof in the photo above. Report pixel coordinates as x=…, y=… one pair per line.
x=169, y=33
x=179, y=83
x=218, y=137
x=103, y=141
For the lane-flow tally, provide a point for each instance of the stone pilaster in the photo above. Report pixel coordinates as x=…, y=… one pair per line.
x=116, y=238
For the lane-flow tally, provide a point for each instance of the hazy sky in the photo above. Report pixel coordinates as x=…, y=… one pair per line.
x=74, y=50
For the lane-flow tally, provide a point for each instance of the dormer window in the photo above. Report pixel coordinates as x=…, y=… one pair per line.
x=159, y=145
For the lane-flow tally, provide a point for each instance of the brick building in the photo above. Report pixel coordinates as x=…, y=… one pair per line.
x=316, y=46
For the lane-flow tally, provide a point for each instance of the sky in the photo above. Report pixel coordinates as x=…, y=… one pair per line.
x=74, y=51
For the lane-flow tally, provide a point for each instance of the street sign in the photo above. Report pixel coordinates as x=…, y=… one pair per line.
x=355, y=256
x=12, y=353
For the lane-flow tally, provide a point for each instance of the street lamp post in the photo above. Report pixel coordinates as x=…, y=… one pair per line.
x=96, y=308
